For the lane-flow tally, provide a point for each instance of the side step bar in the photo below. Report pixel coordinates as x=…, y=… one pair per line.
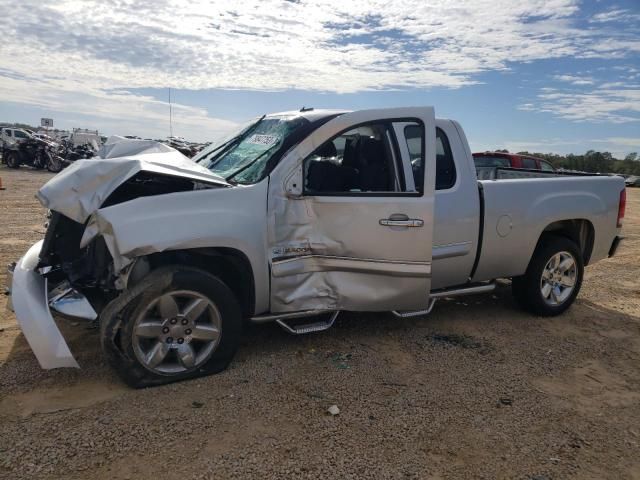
x=452, y=292
x=318, y=326
x=461, y=291
x=321, y=325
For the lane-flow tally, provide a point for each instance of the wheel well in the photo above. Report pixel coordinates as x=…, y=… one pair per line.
x=579, y=231
x=228, y=264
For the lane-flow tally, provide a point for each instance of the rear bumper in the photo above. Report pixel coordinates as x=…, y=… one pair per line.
x=614, y=246
x=28, y=299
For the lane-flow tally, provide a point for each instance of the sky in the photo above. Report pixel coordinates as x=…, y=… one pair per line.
x=556, y=76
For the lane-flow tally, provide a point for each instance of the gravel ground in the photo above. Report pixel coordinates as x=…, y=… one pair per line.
x=478, y=389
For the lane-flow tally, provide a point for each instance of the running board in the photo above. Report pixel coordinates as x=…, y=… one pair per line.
x=452, y=292
x=312, y=327
x=465, y=290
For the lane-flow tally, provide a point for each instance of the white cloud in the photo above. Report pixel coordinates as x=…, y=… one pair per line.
x=615, y=15
x=587, y=99
x=330, y=45
x=81, y=52
x=574, y=80
x=117, y=111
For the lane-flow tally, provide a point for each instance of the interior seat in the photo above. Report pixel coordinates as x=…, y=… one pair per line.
x=373, y=165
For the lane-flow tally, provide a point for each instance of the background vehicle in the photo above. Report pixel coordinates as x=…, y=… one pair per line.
x=33, y=152
x=293, y=218
x=632, y=181
x=10, y=135
x=487, y=162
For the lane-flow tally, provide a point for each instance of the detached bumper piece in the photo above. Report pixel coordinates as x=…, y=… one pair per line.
x=614, y=246
x=30, y=304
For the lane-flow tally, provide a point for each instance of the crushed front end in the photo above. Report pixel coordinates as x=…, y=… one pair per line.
x=55, y=274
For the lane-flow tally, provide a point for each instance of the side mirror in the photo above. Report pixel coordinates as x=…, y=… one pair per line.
x=293, y=183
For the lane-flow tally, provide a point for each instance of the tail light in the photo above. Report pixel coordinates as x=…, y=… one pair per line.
x=621, y=206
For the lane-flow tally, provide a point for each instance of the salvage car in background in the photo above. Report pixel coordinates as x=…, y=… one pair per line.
x=487, y=162
x=293, y=218
x=512, y=160
x=9, y=135
x=33, y=152
x=632, y=181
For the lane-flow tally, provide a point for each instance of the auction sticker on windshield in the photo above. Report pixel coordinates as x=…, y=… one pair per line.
x=266, y=140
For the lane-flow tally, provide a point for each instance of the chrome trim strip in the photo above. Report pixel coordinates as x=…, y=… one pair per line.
x=323, y=263
x=451, y=250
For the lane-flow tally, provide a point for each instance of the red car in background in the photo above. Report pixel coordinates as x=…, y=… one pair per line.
x=511, y=160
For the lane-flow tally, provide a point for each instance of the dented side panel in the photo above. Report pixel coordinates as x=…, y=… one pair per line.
x=331, y=252
x=226, y=217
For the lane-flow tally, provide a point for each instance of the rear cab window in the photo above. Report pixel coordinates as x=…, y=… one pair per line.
x=445, y=165
x=489, y=161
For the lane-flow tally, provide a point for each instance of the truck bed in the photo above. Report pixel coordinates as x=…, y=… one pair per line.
x=517, y=210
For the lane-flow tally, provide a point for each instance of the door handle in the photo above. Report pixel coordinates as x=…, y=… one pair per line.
x=401, y=221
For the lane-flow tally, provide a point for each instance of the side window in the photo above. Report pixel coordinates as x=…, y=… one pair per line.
x=547, y=167
x=445, y=166
x=484, y=161
x=529, y=163
x=8, y=132
x=413, y=136
x=359, y=160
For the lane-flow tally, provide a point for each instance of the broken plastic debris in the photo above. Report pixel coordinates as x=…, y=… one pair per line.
x=333, y=410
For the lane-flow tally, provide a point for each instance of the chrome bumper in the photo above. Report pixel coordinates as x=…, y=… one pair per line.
x=28, y=299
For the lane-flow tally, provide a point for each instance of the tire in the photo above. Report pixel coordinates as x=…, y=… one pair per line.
x=133, y=339
x=54, y=164
x=12, y=160
x=555, y=292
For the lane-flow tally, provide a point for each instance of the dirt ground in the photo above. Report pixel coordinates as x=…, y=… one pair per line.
x=478, y=389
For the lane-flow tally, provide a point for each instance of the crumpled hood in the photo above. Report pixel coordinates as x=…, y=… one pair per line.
x=82, y=188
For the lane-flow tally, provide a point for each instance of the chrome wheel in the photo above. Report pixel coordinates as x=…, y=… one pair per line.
x=558, y=278
x=176, y=332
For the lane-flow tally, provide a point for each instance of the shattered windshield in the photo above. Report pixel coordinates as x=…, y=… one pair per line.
x=243, y=156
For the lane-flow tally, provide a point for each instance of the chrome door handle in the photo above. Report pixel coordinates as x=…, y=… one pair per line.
x=410, y=222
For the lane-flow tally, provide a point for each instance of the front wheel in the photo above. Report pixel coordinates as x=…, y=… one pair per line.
x=176, y=323
x=553, y=279
x=13, y=160
x=54, y=162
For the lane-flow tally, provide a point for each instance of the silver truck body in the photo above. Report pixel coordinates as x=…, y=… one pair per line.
x=359, y=251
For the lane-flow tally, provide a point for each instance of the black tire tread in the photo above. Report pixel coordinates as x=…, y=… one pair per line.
x=526, y=290
x=116, y=330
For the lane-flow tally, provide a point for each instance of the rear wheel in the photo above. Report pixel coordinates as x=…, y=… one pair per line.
x=553, y=279
x=177, y=323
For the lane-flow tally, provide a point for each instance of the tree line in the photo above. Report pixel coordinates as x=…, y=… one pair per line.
x=592, y=162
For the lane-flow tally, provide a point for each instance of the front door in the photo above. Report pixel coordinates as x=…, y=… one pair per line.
x=351, y=218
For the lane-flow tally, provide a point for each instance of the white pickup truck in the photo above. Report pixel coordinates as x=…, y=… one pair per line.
x=293, y=218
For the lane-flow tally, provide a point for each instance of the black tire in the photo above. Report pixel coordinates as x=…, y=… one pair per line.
x=118, y=317
x=12, y=160
x=527, y=289
x=54, y=163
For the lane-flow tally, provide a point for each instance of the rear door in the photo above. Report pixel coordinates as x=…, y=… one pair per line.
x=349, y=229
